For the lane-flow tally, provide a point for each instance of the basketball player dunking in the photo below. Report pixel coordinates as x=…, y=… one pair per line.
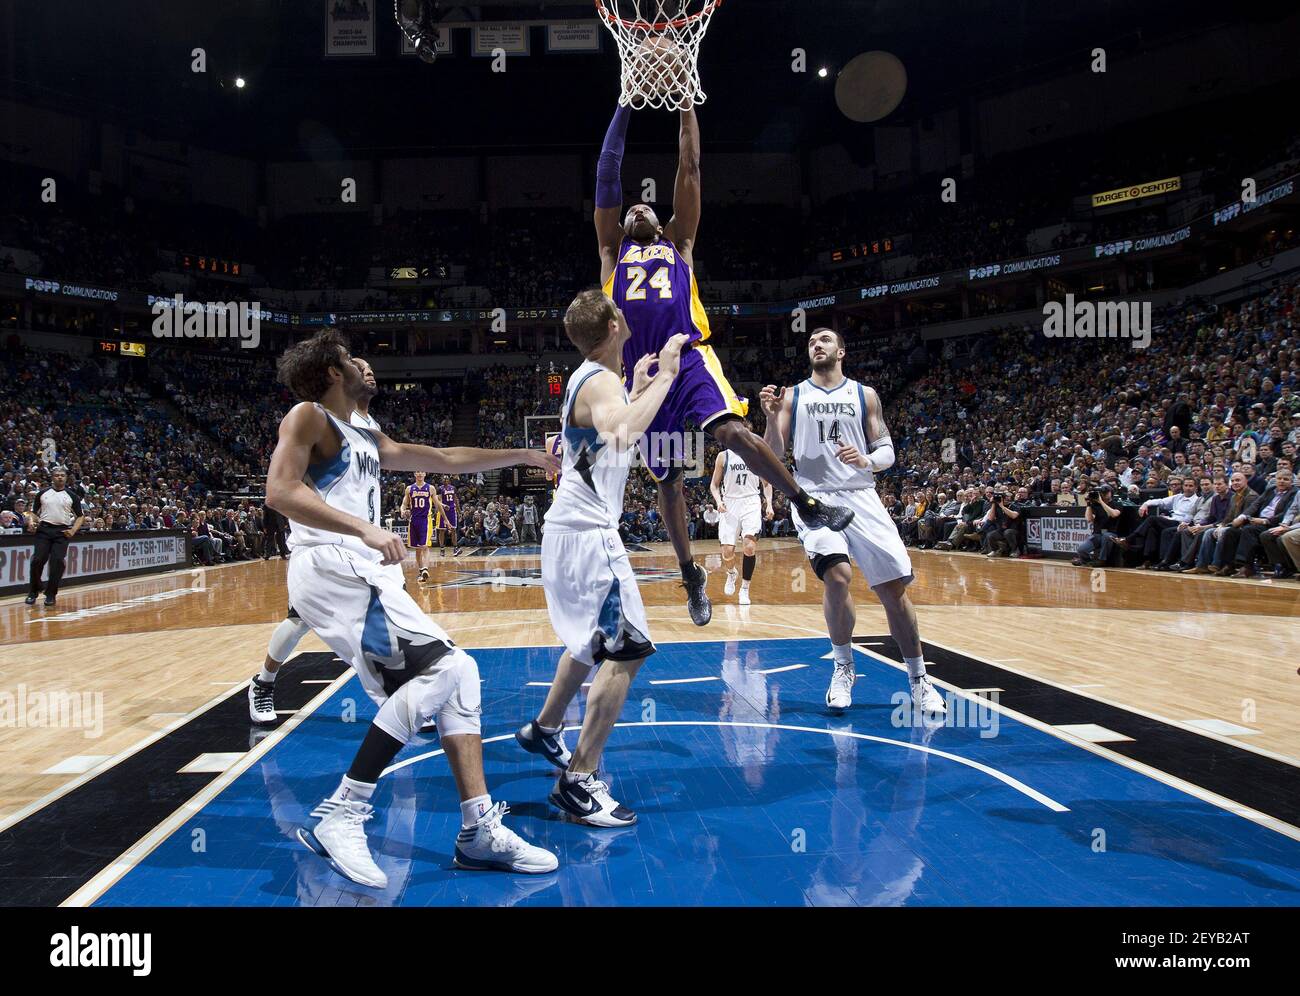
x=837, y=430
x=345, y=580
x=647, y=269
x=287, y=636
x=418, y=509
x=740, y=514
x=591, y=590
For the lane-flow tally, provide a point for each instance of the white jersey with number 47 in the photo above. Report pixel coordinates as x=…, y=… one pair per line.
x=739, y=483
x=821, y=421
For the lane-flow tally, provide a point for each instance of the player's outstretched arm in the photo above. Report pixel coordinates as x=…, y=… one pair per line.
x=776, y=403
x=302, y=431
x=685, y=222
x=715, y=483
x=457, y=459
x=609, y=192
x=621, y=423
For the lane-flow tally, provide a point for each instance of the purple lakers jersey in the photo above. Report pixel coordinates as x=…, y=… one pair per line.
x=420, y=501
x=448, y=494
x=656, y=290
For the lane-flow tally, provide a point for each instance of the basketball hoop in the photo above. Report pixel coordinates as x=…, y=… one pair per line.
x=659, y=47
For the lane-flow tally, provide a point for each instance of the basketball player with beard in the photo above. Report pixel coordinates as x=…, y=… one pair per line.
x=648, y=270
x=836, y=428
x=287, y=636
x=345, y=580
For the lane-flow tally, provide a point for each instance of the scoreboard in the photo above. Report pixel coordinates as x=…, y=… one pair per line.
x=554, y=385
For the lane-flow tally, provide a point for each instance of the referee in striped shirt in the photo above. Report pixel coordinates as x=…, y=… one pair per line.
x=55, y=519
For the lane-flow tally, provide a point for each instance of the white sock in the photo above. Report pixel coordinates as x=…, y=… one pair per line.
x=267, y=677
x=550, y=731
x=472, y=809
x=915, y=666
x=350, y=790
x=842, y=652
x=575, y=776
x=744, y=586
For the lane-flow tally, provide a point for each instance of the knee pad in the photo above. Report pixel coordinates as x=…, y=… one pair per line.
x=286, y=637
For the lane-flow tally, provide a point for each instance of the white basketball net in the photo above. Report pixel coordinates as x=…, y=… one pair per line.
x=659, y=46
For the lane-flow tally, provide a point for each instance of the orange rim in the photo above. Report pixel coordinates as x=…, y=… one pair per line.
x=610, y=18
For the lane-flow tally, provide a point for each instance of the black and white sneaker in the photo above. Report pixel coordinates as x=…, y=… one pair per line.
x=49, y=601
x=261, y=701
x=551, y=746
x=587, y=800
x=423, y=577
x=836, y=518
x=30, y=599
x=697, y=599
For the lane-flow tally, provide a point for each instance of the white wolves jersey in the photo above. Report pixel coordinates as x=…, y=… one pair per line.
x=350, y=483
x=821, y=421
x=364, y=421
x=739, y=483
x=593, y=474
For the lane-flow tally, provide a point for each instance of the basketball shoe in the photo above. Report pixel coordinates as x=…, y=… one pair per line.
x=340, y=838
x=926, y=699
x=730, y=587
x=697, y=599
x=551, y=746
x=261, y=701
x=490, y=845
x=836, y=518
x=586, y=798
x=840, y=693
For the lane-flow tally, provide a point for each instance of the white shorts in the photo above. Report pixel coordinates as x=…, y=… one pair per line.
x=592, y=596
x=361, y=609
x=871, y=539
x=745, y=518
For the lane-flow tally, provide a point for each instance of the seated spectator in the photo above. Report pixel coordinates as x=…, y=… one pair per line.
x=1096, y=550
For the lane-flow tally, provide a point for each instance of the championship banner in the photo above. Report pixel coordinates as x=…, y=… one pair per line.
x=442, y=46
x=573, y=36
x=1057, y=533
x=350, y=27
x=510, y=38
x=1151, y=188
x=98, y=555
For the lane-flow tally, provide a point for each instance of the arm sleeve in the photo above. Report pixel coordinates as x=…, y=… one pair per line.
x=609, y=183
x=881, y=456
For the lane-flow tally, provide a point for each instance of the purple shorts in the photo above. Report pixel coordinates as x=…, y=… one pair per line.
x=700, y=394
x=421, y=534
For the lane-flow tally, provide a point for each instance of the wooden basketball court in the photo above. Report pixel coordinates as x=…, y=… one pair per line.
x=1211, y=662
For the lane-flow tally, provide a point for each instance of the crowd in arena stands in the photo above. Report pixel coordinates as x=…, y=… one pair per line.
x=1196, y=436
x=540, y=256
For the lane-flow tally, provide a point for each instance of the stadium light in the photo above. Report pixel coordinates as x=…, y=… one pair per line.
x=823, y=72
x=239, y=82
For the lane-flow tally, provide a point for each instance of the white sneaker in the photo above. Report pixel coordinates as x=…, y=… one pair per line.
x=261, y=701
x=490, y=845
x=840, y=694
x=587, y=799
x=340, y=838
x=730, y=587
x=926, y=698
x=744, y=595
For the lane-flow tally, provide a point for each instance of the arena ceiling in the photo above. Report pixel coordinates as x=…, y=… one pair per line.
x=127, y=61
